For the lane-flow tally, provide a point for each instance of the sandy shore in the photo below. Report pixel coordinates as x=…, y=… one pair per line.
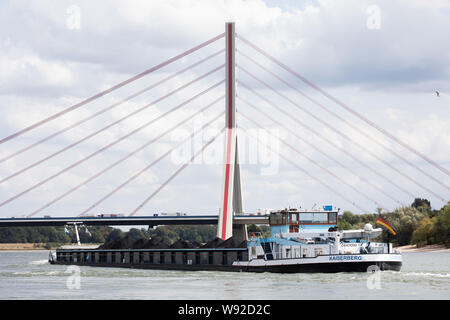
x=28, y=246
x=22, y=246
x=429, y=248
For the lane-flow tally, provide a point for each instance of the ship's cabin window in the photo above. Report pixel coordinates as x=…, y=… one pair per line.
x=320, y=217
x=314, y=217
x=277, y=218
x=306, y=217
x=299, y=218
x=332, y=217
x=294, y=218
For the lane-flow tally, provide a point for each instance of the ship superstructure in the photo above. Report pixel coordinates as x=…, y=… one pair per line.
x=309, y=241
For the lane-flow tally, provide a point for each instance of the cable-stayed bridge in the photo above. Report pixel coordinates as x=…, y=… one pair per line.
x=258, y=85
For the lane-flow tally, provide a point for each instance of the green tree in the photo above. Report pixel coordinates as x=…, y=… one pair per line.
x=262, y=229
x=425, y=233
x=421, y=204
x=404, y=221
x=349, y=217
x=442, y=226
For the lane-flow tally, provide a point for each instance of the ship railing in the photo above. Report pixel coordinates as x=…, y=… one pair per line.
x=278, y=255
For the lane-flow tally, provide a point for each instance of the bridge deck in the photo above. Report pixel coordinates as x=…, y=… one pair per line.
x=129, y=221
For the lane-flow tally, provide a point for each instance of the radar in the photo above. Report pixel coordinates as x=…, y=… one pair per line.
x=368, y=227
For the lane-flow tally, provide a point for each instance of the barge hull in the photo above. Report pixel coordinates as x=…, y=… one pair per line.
x=180, y=267
x=242, y=267
x=328, y=267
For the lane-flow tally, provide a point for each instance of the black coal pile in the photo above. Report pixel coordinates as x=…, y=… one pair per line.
x=214, y=243
x=233, y=243
x=229, y=243
x=130, y=243
x=122, y=243
x=139, y=244
x=183, y=244
x=158, y=243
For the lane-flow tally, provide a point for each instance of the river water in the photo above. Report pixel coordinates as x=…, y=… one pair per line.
x=28, y=275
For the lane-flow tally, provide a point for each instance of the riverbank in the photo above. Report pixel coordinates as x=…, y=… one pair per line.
x=22, y=246
x=29, y=246
x=428, y=248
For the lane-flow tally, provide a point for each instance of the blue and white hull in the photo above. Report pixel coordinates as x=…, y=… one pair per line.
x=325, y=263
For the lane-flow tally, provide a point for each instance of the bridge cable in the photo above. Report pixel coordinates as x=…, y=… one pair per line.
x=342, y=134
x=175, y=173
x=346, y=107
x=148, y=167
x=109, y=126
x=317, y=164
x=345, y=121
x=334, y=191
x=111, y=106
x=142, y=147
x=113, y=88
x=326, y=139
x=109, y=145
x=320, y=151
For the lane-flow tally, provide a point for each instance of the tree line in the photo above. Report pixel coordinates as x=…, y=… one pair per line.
x=415, y=224
x=53, y=235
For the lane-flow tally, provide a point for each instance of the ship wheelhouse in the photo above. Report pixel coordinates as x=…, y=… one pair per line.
x=293, y=220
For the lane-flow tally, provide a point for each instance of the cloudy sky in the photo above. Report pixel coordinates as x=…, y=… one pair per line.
x=384, y=59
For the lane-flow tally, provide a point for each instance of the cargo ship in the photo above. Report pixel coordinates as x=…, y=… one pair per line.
x=299, y=241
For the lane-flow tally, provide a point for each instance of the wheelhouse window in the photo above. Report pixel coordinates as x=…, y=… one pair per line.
x=294, y=218
x=306, y=217
x=317, y=217
x=332, y=217
x=277, y=218
x=320, y=217
x=299, y=218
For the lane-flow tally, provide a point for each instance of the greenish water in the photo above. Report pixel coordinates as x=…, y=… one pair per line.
x=28, y=275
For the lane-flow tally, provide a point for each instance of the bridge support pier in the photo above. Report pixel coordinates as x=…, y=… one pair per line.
x=240, y=232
